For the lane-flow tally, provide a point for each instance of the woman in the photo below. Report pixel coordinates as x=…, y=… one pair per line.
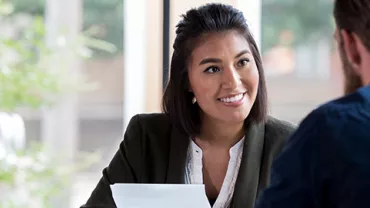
x=214, y=129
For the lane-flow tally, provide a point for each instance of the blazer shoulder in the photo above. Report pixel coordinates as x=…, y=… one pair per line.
x=154, y=124
x=279, y=128
x=152, y=119
x=278, y=131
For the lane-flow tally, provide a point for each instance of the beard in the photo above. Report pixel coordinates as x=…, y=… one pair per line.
x=352, y=81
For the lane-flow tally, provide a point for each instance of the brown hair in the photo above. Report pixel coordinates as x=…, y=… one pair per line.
x=354, y=16
x=176, y=102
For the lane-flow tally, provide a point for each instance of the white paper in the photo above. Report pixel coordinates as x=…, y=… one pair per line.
x=160, y=196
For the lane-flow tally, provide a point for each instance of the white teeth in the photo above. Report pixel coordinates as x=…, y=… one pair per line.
x=232, y=99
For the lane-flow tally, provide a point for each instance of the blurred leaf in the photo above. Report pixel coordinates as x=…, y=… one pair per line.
x=99, y=44
x=37, y=175
x=6, y=8
x=27, y=78
x=104, y=16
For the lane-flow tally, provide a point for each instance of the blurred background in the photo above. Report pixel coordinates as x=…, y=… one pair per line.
x=73, y=73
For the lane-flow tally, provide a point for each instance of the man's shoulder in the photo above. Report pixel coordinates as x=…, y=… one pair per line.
x=340, y=111
x=347, y=104
x=331, y=119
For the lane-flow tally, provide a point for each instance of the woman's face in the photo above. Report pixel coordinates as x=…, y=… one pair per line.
x=223, y=76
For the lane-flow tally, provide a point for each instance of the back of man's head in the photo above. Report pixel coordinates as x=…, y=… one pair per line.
x=354, y=16
x=352, y=19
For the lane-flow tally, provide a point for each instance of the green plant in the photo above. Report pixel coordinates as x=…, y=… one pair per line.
x=106, y=16
x=34, y=177
x=33, y=73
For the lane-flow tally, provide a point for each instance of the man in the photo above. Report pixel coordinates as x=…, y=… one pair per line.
x=326, y=162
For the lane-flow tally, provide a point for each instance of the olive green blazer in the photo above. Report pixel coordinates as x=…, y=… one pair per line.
x=154, y=151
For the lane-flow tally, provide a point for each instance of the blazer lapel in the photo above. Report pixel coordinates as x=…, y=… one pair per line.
x=177, y=157
x=246, y=187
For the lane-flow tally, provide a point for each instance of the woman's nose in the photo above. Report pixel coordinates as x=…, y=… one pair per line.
x=231, y=78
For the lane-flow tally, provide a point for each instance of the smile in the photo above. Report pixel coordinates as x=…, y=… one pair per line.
x=233, y=99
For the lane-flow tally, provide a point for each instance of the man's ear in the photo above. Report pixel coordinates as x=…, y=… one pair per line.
x=351, y=49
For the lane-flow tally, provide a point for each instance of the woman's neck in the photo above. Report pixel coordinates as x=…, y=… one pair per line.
x=220, y=134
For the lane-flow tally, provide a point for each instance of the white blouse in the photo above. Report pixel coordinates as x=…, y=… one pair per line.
x=194, y=173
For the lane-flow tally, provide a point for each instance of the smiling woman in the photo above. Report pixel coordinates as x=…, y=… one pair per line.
x=224, y=78
x=214, y=129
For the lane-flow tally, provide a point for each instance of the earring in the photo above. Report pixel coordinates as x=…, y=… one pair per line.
x=194, y=100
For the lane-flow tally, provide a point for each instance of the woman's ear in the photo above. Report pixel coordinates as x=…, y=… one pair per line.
x=190, y=89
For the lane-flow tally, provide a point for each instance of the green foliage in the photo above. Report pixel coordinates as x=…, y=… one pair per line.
x=104, y=16
x=33, y=7
x=307, y=20
x=34, y=74
x=107, y=17
x=35, y=176
x=24, y=80
x=27, y=78
x=5, y=8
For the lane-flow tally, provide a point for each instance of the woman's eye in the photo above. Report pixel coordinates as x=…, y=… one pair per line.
x=243, y=62
x=212, y=69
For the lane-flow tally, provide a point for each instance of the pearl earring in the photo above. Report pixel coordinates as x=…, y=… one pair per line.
x=194, y=100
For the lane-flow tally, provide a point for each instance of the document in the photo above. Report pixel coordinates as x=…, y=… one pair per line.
x=160, y=196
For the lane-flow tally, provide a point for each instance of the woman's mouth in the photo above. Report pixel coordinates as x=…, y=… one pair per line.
x=232, y=99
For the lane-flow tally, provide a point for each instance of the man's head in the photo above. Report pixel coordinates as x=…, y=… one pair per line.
x=352, y=19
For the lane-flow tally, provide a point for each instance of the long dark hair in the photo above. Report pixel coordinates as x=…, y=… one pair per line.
x=210, y=18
